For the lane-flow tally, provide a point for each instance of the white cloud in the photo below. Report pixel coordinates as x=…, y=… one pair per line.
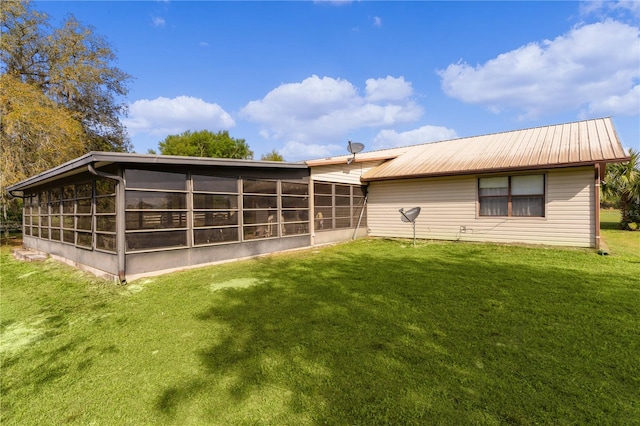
x=157, y=21
x=320, y=109
x=164, y=116
x=424, y=134
x=581, y=69
x=606, y=8
x=388, y=89
x=297, y=151
x=377, y=21
x=627, y=104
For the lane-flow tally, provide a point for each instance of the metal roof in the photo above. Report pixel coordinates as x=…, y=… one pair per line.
x=564, y=145
x=101, y=159
x=361, y=157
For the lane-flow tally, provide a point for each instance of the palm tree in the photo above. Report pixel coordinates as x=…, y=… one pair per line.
x=622, y=181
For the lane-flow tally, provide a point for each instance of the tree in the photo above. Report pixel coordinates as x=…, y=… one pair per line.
x=58, y=94
x=71, y=65
x=622, y=182
x=272, y=156
x=205, y=143
x=35, y=133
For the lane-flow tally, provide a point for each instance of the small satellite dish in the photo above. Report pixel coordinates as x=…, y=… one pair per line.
x=410, y=217
x=354, y=148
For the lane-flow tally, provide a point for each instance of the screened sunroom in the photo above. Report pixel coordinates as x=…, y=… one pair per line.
x=125, y=216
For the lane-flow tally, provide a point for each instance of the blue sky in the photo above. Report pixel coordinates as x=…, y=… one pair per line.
x=304, y=77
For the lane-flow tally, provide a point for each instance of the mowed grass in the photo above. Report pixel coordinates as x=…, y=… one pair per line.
x=621, y=243
x=369, y=332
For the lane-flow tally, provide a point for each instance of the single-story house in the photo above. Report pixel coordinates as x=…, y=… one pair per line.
x=129, y=215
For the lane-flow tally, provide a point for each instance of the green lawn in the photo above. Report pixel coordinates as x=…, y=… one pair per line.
x=369, y=332
x=620, y=243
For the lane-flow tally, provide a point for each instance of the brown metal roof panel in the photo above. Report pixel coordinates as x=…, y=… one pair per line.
x=563, y=148
x=473, y=158
x=419, y=160
x=439, y=158
x=594, y=143
x=469, y=157
x=511, y=148
x=610, y=149
x=498, y=152
x=606, y=149
x=584, y=144
x=537, y=146
x=515, y=157
x=553, y=143
x=460, y=154
x=574, y=152
x=468, y=153
x=533, y=148
x=379, y=171
x=506, y=144
x=521, y=151
x=547, y=142
x=579, y=131
x=596, y=140
x=433, y=155
x=548, y=146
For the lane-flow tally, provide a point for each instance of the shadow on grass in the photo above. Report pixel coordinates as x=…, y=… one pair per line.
x=50, y=366
x=610, y=225
x=610, y=219
x=457, y=335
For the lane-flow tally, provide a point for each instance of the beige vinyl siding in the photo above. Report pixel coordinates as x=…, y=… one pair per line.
x=451, y=203
x=342, y=173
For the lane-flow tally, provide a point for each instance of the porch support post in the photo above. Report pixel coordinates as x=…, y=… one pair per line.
x=120, y=220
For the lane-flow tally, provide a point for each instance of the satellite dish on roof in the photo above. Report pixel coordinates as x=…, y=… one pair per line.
x=410, y=216
x=354, y=148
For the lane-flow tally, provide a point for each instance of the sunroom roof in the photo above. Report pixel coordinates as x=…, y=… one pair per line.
x=100, y=159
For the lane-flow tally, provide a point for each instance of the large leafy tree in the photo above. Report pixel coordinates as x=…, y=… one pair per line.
x=35, y=133
x=72, y=66
x=205, y=143
x=58, y=95
x=622, y=183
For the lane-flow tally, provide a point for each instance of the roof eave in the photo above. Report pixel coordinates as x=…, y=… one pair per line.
x=496, y=170
x=343, y=160
x=74, y=166
x=101, y=159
